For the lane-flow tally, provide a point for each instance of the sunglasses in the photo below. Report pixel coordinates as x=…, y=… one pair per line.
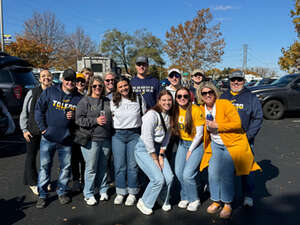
x=211, y=92
x=109, y=80
x=238, y=79
x=80, y=81
x=97, y=85
x=142, y=64
x=69, y=79
x=197, y=75
x=183, y=96
x=174, y=75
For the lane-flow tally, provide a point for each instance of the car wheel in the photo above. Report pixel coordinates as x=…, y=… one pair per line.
x=273, y=110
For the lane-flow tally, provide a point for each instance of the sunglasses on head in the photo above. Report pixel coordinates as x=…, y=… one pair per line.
x=238, y=79
x=211, y=92
x=109, y=80
x=142, y=64
x=97, y=85
x=183, y=96
x=174, y=75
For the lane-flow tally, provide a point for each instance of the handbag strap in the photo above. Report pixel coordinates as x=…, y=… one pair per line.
x=140, y=103
x=162, y=122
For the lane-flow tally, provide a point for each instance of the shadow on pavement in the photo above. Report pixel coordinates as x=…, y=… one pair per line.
x=12, y=209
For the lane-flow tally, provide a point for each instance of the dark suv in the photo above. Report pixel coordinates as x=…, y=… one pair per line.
x=16, y=78
x=281, y=96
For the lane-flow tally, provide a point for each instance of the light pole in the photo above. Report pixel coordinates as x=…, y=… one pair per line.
x=1, y=27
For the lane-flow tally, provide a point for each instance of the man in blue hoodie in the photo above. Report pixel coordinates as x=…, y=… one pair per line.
x=251, y=115
x=145, y=84
x=54, y=114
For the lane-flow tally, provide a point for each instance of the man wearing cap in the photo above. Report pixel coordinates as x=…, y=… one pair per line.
x=251, y=115
x=174, y=77
x=54, y=115
x=197, y=77
x=144, y=84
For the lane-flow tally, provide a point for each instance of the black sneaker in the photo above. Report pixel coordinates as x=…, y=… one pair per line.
x=64, y=199
x=41, y=203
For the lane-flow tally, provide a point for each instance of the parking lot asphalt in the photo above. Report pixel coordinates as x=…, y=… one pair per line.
x=277, y=190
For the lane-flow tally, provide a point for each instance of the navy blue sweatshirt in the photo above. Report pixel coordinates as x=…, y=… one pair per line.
x=148, y=87
x=50, y=114
x=249, y=109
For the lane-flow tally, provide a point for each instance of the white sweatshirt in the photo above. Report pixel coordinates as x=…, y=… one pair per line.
x=127, y=115
x=153, y=131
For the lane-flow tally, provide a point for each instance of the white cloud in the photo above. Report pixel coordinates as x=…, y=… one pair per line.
x=222, y=7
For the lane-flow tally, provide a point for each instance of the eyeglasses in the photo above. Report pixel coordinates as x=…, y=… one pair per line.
x=109, y=80
x=211, y=92
x=198, y=75
x=142, y=64
x=183, y=96
x=174, y=75
x=238, y=79
x=97, y=85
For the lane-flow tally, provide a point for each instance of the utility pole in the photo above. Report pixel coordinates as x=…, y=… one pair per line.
x=1, y=27
x=245, y=48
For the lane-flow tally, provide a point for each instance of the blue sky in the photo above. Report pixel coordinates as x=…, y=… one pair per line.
x=264, y=25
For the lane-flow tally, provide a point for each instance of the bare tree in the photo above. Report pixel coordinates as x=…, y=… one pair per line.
x=45, y=29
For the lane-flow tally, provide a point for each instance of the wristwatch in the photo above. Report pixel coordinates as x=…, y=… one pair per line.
x=162, y=154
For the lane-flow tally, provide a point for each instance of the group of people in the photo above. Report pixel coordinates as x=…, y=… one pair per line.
x=169, y=133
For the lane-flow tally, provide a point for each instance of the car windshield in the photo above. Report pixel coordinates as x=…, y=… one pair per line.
x=283, y=81
x=24, y=77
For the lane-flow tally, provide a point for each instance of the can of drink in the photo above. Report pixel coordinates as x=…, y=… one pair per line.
x=102, y=113
x=209, y=117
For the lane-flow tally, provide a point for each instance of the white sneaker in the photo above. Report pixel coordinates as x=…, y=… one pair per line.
x=183, y=204
x=164, y=207
x=103, y=197
x=141, y=206
x=193, y=206
x=130, y=200
x=248, y=202
x=34, y=190
x=91, y=200
x=119, y=200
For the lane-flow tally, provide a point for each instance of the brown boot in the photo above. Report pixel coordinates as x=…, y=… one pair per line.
x=214, y=208
x=226, y=212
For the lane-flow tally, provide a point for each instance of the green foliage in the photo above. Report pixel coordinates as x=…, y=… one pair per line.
x=124, y=48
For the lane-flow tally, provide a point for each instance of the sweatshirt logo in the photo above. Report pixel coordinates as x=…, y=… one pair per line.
x=238, y=106
x=65, y=104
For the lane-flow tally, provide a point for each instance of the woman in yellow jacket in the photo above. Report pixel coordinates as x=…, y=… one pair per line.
x=226, y=148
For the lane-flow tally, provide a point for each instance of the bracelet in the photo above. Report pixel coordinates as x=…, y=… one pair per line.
x=162, y=154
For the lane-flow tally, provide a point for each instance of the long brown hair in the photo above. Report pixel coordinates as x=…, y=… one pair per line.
x=188, y=123
x=117, y=96
x=90, y=89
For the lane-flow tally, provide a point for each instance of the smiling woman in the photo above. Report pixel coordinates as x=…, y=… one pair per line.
x=127, y=109
x=226, y=144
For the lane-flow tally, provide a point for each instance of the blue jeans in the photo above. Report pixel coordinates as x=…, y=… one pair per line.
x=221, y=174
x=160, y=180
x=96, y=160
x=123, y=147
x=47, y=150
x=187, y=170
